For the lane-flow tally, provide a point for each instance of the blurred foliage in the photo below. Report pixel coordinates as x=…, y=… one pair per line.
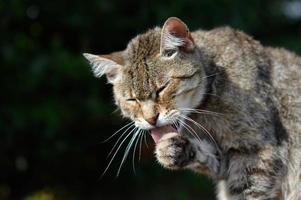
x=54, y=114
x=50, y=194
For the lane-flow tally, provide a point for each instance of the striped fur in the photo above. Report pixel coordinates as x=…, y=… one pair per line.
x=256, y=153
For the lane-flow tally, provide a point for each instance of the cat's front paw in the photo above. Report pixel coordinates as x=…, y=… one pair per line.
x=174, y=151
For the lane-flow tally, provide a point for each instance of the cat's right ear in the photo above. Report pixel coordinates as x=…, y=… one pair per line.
x=108, y=65
x=176, y=35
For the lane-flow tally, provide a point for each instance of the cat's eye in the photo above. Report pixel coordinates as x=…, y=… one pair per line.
x=169, y=53
x=160, y=89
x=187, y=76
x=131, y=99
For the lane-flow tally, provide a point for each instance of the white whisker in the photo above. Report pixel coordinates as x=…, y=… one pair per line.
x=114, y=155
x=131, y=123
x=145, y=140
x=199, y=111
x=140, y=143
x=175, y=123
x=134, y=150
x=126, y=152
x=116, y=143
x=202, y=128
x=189, y=129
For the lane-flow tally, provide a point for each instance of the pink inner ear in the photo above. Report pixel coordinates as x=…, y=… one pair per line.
x=177, y=28
x=111, y=75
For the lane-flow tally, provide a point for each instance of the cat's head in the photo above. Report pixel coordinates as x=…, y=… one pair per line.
x=157, y=76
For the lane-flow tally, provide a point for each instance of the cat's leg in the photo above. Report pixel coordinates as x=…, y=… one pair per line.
x=222, y=191
x=255, y=175
x=175, y=152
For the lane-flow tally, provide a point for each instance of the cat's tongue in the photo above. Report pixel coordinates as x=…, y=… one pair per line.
x=157, y=133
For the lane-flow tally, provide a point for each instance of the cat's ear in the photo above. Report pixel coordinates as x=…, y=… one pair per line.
x=108, y=65
x=175, y=35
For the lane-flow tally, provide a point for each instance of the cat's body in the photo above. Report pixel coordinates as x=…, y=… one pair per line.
x=250, y=142
x=260, y=97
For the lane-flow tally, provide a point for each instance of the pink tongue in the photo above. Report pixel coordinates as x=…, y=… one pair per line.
x=157, y=133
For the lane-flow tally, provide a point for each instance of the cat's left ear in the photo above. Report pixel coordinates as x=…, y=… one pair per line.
x=109, y=65
x=175, y=35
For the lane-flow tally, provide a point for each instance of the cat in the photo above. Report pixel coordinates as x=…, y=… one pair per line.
x=216, y=102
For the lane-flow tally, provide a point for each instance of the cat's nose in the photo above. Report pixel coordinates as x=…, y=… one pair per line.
x=153, y=120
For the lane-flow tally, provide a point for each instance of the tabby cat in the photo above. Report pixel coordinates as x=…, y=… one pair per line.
x=216, y=102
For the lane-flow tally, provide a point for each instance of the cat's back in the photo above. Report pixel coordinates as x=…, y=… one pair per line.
x=242, y=57
x=285, y=76
x=286, y=81
x=243, y=60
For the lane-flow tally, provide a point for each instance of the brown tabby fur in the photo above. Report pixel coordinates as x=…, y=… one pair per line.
x=253, y=94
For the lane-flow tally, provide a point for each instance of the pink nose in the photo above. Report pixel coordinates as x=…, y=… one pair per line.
x=152, y=120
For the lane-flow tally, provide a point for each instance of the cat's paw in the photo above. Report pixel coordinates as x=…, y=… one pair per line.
x=174, y=151
x=206, y=157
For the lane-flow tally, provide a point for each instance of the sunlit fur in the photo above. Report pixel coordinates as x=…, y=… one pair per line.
x=248, y=137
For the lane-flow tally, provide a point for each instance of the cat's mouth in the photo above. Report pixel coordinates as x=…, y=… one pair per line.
x=158, y=132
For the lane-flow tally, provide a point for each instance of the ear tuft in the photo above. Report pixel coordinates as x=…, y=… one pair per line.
x=171, y=42
x=175, y=34
x=101, y=65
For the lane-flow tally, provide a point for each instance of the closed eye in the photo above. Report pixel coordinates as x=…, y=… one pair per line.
x=132, y=99
x=185, y=91
x=161, y=88
x=182, y=77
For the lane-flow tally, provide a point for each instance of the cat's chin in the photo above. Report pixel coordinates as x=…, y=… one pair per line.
x=159, y=132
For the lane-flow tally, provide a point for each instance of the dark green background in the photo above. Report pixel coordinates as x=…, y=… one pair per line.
x=54, y=114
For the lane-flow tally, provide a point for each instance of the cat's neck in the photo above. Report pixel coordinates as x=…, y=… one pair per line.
x=211, y=72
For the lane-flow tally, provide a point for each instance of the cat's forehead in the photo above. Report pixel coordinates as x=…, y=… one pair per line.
x=144, y=46
x=142, y=77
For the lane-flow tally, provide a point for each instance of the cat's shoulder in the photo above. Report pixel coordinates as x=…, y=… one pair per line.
x=224, y=35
